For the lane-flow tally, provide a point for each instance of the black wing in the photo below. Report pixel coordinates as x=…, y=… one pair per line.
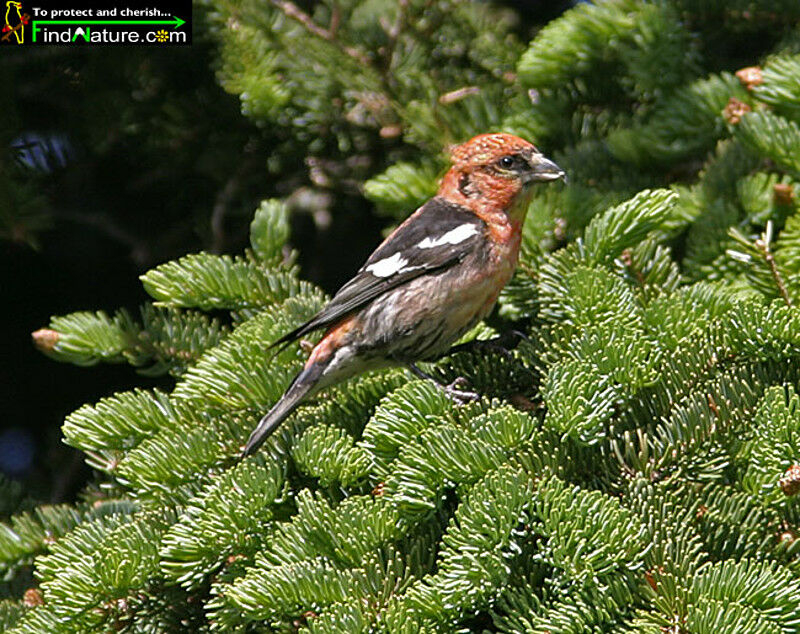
x=437, y=236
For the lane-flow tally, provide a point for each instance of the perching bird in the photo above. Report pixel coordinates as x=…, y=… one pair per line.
x=433, y=279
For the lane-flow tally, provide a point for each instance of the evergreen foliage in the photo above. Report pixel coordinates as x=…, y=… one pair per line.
x=631, y=466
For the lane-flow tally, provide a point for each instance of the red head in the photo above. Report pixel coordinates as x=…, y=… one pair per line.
x=491, y=171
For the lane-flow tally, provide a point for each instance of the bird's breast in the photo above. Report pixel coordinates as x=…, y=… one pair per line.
x=422, y=319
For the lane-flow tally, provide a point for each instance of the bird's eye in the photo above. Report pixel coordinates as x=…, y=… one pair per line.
x=507, y=162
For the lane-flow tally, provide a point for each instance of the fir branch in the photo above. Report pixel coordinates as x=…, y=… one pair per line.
x=290, y=590
x=401, y=187
x=229, y=512
x=772, y=449
x=772, y=136
x=166, y=340
x=478, y=544
x=759, y=251
x=626, y=224
x=207, y=282
x=117, y=424
x=269, y=231
x=236, y=374
x=10, y=613
x=98, y=563
x=85, y=338
x=686, y=124
x=343, y=534
x=328, y=453
x=29, y=534
x=401, y=416
x=780, y=85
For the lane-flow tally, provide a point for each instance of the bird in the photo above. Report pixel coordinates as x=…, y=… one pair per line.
x=435, y=277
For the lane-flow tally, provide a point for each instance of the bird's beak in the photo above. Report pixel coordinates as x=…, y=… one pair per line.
x=544, y=170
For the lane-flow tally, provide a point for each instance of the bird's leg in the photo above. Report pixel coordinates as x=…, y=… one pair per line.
x=502, y=344
x=454, y=390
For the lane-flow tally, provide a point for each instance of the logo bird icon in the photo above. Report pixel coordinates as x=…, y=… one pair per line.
x=15, y=21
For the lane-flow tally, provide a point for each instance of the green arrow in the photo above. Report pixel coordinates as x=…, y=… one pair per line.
x=175, y=21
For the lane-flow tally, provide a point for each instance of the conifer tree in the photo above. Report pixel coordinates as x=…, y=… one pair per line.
x=632, y=466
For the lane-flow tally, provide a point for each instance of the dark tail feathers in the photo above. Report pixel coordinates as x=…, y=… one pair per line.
x=300, y=388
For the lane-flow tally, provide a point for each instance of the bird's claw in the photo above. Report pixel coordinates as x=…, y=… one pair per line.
x=457, y=392
x=454, y=390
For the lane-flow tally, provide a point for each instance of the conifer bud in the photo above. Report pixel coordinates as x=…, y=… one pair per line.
x=750, y=76
x=391, y=131
x=790, y=482
x=305, y=617
x=457, y=95
x=45, y=339
x=787, y=538
x=32, y=598
x=735, y=110
x=783, y=194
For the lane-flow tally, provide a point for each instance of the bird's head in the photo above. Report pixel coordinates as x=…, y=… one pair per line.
x=495, y=171
x=16, y=5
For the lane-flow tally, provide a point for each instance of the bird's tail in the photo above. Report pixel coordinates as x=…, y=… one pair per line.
x=302, y=386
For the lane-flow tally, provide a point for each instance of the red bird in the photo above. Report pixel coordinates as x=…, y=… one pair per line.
x=432, y=280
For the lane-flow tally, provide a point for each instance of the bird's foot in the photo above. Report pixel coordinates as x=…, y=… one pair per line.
x=502, y=344
x=455, y=390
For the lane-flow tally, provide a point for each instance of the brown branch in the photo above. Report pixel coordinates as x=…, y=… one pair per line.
x=336, y=18
x=763, y=246
x=458, y=94
x=291, y=10
x=394, y=31
x=226, y=196
x=221, y=205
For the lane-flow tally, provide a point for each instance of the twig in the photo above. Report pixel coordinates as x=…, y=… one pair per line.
x=220, y=210
x=294, y=12
x=106, y=225
x=291, y=10
x=763, y=246
x=393, y=32
x=457, y=95
x=226, y=196
x=336, y=16
x=397, y=27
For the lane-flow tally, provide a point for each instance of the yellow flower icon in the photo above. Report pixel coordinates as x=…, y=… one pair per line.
x=162, y=35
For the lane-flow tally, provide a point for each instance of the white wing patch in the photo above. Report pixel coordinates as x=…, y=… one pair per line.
x=387, y=266
x=454, y=236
